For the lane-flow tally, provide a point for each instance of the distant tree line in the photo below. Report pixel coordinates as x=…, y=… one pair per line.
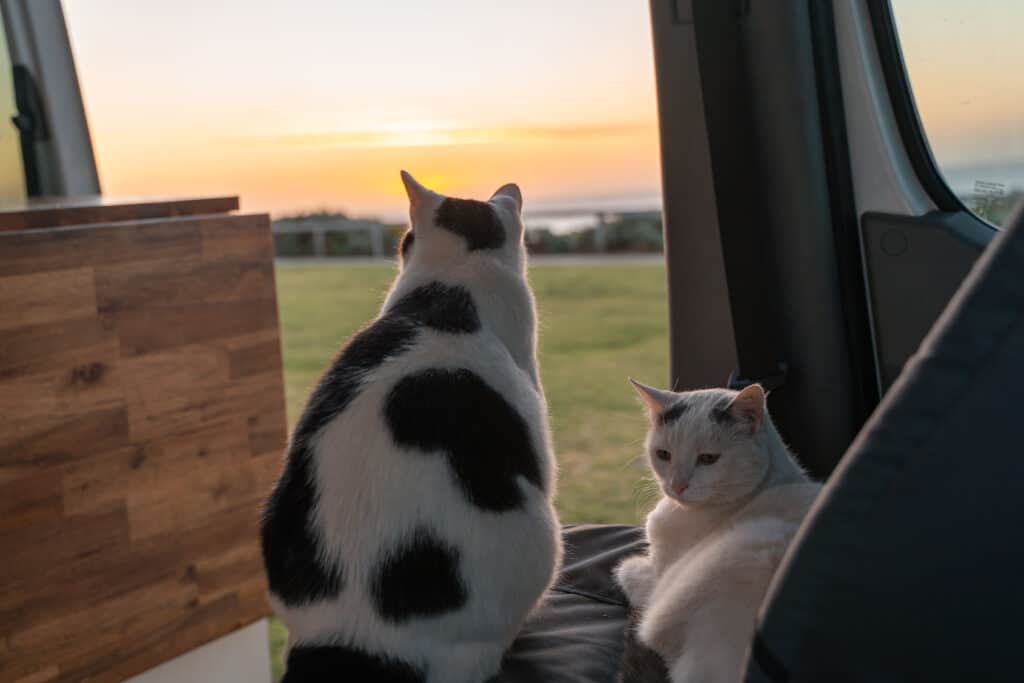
x=638, y=232
x=627, y=233
x=994, y=207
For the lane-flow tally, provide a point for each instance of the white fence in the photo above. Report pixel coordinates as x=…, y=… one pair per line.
x=319, y=226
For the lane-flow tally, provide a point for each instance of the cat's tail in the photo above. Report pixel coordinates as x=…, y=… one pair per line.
x=640, y=664
x=347, y=664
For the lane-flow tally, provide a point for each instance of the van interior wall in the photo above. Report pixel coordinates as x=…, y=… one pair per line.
x=756, y=98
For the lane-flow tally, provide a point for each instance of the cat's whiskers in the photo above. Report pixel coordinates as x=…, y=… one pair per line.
x=646, y=491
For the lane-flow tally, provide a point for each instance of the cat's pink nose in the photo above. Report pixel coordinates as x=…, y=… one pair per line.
x=680, y=486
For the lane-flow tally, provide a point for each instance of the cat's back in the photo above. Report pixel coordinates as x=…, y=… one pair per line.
x=429, y=376
x=412, y=529
x=423, y=438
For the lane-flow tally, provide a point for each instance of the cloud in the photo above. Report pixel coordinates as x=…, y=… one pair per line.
x=426, y=136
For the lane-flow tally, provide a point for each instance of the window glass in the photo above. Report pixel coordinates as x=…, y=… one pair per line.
x=308, y=110
x=966, y=66
x=12, y=169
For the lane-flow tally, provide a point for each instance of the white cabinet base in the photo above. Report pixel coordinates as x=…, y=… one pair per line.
x=242, y=656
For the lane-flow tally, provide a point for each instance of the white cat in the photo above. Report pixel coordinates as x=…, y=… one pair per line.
x=734, y=498
x=412, y=529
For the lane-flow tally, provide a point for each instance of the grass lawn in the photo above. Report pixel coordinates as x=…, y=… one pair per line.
x=598, y=325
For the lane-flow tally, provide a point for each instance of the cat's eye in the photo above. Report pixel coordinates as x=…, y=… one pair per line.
x=662, y=454
x=708, y=458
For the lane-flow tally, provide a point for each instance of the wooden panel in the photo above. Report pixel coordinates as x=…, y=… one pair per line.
x=141, y=426
x=26, y=346
x=61, y=249
x=52, y=212
x=38, y=298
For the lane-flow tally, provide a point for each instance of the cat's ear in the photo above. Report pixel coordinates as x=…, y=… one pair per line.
x=418, y=194
x=511, y=191
x=655, y=400
x=749, y=406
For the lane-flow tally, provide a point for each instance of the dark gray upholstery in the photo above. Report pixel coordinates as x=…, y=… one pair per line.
x=911, y=565
x=577, y=635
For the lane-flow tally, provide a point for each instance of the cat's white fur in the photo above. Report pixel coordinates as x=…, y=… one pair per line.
x=371, y=493
x=714, y=547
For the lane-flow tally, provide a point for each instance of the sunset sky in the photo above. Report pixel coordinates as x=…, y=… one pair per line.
x=302, y=105
x=966, y=65
x=318, y=103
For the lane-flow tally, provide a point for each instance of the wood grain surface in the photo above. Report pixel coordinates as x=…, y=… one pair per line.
x=51, y=212
x=141, y=425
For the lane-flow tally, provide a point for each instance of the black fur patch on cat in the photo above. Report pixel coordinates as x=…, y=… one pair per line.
x=476, y=222
x=484, y=438
x=440, y=306
x=720, y=413
x=407, y=239
x=418, y=578
x=675, y=412
x=336, y=663
x=388, y=336
x=295, y=569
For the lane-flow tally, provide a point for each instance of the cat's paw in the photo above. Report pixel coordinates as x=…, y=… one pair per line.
x=636, y=577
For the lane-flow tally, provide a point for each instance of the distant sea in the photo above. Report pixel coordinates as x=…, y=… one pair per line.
x=963, y=179
x=966, y=180
x=571, y=216
x=578, y=214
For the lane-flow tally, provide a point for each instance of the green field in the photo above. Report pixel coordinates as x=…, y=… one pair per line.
x=598, y=325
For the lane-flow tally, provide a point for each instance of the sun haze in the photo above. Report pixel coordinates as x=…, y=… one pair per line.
x=316, y=105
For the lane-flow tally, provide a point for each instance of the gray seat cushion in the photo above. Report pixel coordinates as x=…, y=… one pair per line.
x=577, y=635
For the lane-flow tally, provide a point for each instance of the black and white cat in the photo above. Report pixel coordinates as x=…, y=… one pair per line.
x=412, y=529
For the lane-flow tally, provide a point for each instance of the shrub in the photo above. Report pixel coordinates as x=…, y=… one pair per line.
x=293, y=244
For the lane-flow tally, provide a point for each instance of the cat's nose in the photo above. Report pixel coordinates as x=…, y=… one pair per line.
x=680, y=486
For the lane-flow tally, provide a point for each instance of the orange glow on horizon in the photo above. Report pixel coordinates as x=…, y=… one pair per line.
x=317, y=105
x=357, y=171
